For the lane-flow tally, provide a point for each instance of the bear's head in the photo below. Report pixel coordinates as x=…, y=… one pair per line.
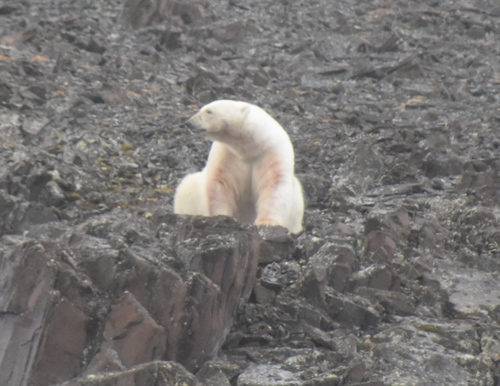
x=222, y=120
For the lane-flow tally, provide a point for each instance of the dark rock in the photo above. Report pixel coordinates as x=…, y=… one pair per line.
x=202, y=86
x=187, y=13
x=483, y=184
x=7, y=9
x=36, y=306
x=315, y=188
x=232, y=33
x=276, y=244
x=392, y=111
x=263, y=294
x=431, y=235
x=393, y=302
x=333, y=265
x=215, y=374
x=170, y=38
x=476, y=32
x=437, y=167
x=352, y=311
x=320, y=337
x=380, y=247
x=141, y=13
x=376, y=276
x=277, y=276
x=152, y=373
x=141, y=327
x=5, y=93
x=12, y=211
x=132, y=334
x=37, y=214
x=356, y=373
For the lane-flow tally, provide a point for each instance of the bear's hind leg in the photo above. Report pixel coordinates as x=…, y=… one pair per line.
x=190, y=196
x=296, y=213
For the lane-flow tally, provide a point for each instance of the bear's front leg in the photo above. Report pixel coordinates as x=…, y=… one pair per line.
x=273, y=186
x=226, y=181
x=221, y=198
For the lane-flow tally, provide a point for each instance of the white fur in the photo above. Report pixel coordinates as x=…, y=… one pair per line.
x=250, y=169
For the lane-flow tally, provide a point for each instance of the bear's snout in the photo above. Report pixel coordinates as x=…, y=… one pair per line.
x=194, y=126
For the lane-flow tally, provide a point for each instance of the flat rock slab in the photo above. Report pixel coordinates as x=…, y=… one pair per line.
x=471, y=291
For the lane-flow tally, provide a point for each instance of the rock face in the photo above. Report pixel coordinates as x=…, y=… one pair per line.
x=392, y=108
x=85, y=304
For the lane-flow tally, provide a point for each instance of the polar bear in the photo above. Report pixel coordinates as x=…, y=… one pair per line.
x=249, y=172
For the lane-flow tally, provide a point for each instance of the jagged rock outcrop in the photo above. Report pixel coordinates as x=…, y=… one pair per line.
x=86, y=303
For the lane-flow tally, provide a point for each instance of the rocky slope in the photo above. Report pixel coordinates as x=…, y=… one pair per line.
x=394, y=112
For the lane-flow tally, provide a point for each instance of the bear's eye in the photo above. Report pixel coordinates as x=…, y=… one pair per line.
x=209, y=111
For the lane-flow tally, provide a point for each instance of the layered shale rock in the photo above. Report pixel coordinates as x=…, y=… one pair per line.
x=91, y=302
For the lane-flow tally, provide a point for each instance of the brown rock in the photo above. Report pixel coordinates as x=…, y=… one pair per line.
x=224, y=254
x=356, y=373
x=145, y=280
x=45, y=329
x=337, y=261
x=63, y=342
x=349, y=311
x=141, y=13
x=431, y=235
x=375, y=276
x=263, y=294
x=132, y=334
x=55, y=321
x=396, y=224
x=396, y=303
x=276, y=244
x=114, y=95
x=380, y=247
x=400, y=223
x=485, y=184
x=181, y=12
x=170, y=38
x=95, y=45
x=312, y=286
x=320, y=337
